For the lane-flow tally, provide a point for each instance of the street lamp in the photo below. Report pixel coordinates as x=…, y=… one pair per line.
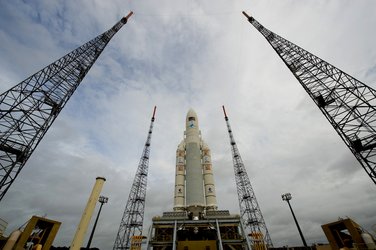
x=287, y=197
x=102, y=200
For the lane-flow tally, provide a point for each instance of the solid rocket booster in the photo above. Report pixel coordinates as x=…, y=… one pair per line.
x=210, y=196
x=179, y=200
x=194, y=182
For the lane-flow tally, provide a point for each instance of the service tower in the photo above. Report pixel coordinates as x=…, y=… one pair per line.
x=195, y=223
x=194, y=183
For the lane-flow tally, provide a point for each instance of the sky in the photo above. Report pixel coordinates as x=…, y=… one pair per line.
x=190, y=54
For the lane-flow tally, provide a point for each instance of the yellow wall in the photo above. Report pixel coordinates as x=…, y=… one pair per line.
x=197, y=245
x=323, y=247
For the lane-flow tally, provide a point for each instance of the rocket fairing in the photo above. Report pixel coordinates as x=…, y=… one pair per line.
x=194, y=182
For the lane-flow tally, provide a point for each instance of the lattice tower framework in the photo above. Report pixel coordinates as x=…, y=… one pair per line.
x=347, y=103
x=133, y=217
x=250, y=211
x=28, y=109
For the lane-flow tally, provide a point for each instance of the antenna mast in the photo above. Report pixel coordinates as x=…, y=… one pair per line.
x=347, y=103
x=250, y=211
x=133, y=218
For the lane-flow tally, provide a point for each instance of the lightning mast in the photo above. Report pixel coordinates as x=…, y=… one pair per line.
x=133, y=218
x=348, y=104
x=250, y=211
x=28, y=109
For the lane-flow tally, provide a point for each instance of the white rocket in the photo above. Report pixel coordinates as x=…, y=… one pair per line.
x=194, y=183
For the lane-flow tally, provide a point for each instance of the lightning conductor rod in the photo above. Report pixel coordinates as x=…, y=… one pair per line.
x=129, y=15
x=133, y=217
x=28, y=109
x=250, y=211
x=347, y=103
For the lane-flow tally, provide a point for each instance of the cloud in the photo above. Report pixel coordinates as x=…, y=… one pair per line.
x=178, y=55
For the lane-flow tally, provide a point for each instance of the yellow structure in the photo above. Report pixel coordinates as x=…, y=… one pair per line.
x=258, y=241
x=86, y=216
x=136, y=242
x=346, y=233
x=198, y=244
x=39, y=232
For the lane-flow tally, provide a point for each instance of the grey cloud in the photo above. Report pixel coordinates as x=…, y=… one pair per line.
x=176, y=56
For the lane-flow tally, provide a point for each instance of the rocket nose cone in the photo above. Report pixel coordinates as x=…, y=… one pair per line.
x=191, y=120
x=191, y=113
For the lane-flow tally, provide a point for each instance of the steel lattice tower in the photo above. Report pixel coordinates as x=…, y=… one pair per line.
x=348, y=104
x=250, y=211
x=133, y=218
x=28, y=109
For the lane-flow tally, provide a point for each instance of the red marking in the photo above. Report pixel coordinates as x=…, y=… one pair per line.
x=129, y=15
x=224, y=111
x=155, y=107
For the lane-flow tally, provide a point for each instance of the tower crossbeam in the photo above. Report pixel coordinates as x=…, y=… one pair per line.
x=347, y=103
x=250, y=211
x=28, y=109
x=133, y=217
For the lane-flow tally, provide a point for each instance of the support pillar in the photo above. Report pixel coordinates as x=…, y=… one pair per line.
x=86, y=216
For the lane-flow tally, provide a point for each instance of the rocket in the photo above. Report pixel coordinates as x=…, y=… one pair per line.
x=194, y=182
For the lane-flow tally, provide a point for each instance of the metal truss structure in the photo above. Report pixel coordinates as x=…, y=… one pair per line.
x=133, y=217
x=28, y=109
x=250, y=211
x=348, y=104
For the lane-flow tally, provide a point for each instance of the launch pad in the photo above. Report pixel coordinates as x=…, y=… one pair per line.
x=215, y=230
x=196, y=223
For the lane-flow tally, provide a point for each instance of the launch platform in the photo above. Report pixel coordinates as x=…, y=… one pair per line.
x=215, y=230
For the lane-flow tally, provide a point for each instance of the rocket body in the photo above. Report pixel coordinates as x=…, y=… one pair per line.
x=194, y=183
x=193, y=174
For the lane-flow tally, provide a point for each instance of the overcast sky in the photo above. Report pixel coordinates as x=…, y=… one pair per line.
x=178, y=55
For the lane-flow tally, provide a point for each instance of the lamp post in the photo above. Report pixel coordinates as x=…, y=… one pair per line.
x=287, y=197
x=102, y=200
